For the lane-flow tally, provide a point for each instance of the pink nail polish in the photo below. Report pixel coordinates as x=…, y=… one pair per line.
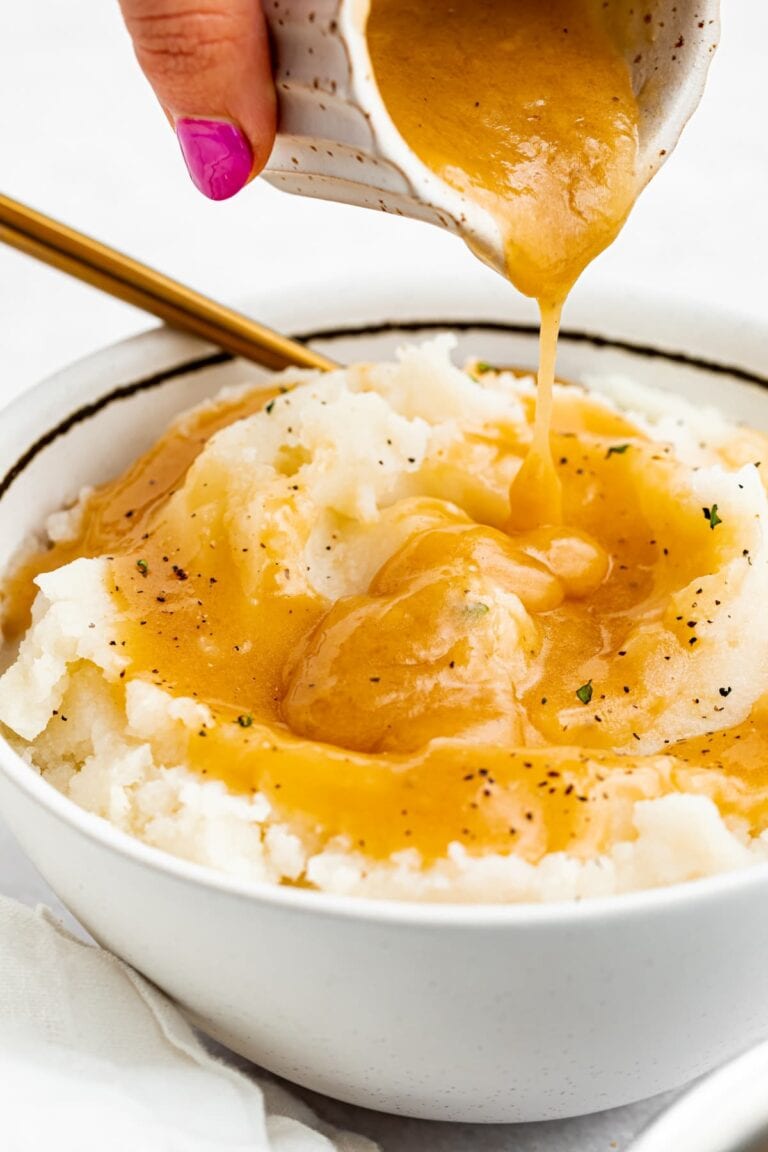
x=217, y=154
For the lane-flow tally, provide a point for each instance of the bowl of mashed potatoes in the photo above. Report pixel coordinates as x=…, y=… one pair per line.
x=412, y=805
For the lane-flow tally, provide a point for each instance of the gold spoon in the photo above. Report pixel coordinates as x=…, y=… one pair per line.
x=103, y=267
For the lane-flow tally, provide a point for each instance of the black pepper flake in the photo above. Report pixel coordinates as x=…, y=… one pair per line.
x=268, y=407
x=245, y=720
x=725, y=691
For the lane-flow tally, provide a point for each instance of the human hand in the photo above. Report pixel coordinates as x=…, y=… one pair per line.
x=208, y=63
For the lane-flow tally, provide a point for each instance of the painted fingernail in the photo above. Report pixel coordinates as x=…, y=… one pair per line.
x=217, y=155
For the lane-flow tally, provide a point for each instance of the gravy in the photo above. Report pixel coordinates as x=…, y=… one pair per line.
x=526, y=108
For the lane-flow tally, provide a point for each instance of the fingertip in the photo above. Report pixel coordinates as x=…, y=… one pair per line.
x=218, y=155
x=261, y=127
x=211, y=70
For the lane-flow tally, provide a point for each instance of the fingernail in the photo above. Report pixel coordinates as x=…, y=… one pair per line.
x=217, y=155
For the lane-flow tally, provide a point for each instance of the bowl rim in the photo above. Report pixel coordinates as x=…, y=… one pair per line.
x=163, y=343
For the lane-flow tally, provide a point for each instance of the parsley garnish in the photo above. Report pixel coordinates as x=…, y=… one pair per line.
x=711, y=515
x=142, y=566
x=478, y=609
x=245, y=720
x=268, y=407
x=585, y=692
x=482, y=367
x=616, y=450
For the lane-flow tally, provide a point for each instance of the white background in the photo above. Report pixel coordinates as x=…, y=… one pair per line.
x=82, y=139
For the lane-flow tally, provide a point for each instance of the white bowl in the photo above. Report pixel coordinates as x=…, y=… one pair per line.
x=460, y=1013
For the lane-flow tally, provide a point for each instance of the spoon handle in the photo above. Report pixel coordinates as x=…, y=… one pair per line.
x=118, y=275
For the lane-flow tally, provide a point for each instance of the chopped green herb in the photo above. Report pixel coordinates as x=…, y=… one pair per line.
x=585, y=692
x=268, y=407
x=142, y=566
x=482, y=367
x=478, y=609
x=245, y=720
x=711, y=515
x=616, y=450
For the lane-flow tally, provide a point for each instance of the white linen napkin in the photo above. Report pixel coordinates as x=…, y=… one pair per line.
x=92, y=1057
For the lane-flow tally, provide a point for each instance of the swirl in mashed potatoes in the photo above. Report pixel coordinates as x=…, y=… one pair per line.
x=298, y=642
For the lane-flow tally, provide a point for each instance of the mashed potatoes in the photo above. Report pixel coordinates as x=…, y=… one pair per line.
x=297, y=643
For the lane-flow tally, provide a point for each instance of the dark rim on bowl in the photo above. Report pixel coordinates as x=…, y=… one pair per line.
x=201, y=363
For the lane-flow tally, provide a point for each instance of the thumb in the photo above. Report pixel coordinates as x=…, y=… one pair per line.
x=208, y=63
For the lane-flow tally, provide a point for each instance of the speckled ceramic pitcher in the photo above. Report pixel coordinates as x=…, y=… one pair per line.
x=337, y=141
